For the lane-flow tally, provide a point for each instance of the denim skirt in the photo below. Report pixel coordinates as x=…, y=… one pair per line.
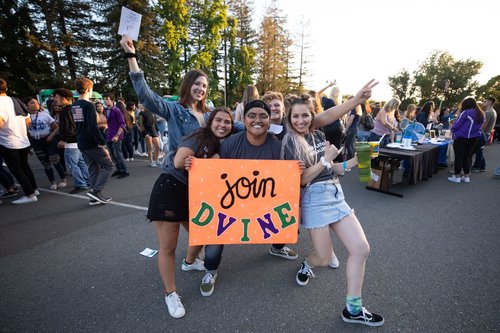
x=323, y=203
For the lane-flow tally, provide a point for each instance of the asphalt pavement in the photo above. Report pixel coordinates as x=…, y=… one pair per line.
x=434, y=264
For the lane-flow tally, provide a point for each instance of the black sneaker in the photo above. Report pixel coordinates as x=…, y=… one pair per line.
x=78, y=189
x=123, y=175
x=8, y=194
x=305, y=272
x=116, y=173
x=98, y=196
x=94, y=202
x=364, y=317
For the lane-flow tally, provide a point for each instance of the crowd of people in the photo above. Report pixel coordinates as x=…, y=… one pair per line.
x=92, y=140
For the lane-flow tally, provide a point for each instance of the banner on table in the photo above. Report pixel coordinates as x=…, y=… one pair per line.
x=243, y=201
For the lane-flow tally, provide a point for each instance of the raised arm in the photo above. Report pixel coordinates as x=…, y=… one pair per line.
x=151, y=100
x=334, y=113
x=326, y=87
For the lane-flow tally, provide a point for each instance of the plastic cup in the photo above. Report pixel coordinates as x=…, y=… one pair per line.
x=364, y=162
x=374, y=147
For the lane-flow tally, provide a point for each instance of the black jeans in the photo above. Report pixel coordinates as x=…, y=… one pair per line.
x=17, y=162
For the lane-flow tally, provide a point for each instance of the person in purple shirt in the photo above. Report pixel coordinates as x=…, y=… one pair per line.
x=466, y=132
x=115, y=134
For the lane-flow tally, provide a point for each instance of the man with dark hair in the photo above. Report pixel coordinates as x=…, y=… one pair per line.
x=254, y=143
x=488, y=125
x=68, y=134
x=91, y=142
x=15, y=145
x=115, y=134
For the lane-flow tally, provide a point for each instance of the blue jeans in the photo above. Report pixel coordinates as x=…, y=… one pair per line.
x=213, y=256
x=115, y=150
x=76, y=164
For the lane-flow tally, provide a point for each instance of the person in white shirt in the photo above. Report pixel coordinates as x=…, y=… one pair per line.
x=15, y=145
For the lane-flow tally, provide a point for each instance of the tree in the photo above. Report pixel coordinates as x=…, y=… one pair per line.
x=274, y=56
x=207, y=21
x=240, y=39
x=491, y=89
x=304, y=56
x=439, y=67
x=175, y=16
x=23, y=62
x=429, y=80
x=403, y=87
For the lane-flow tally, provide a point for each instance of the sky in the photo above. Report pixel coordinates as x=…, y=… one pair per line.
x=354, y=41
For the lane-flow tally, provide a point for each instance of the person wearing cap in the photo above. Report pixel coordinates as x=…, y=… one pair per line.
x=255, y=143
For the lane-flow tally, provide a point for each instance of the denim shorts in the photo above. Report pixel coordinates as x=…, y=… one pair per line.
x=323, y=203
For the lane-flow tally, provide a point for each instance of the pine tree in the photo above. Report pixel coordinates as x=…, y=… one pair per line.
x=24, y=62
x=274, y=53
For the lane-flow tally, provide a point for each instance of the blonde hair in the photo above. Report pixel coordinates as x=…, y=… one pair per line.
x=250, y=94
x=335, y=95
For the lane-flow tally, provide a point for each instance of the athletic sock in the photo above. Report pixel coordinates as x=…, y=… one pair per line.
x=353, y=304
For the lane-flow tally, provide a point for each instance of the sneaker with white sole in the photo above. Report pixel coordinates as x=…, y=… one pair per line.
x=152, y=164
x=62, y=185
x=37, y=193
x=174, y=305
x=94, y=202
x=285, y=252
x=207, y=284
x=454, y=179
x=25, y=200
x=96, y=195
x=53, y=187
x=334, y=262
x=305, y=272
x=364, y=317
x=465, y=179
x=197, y=265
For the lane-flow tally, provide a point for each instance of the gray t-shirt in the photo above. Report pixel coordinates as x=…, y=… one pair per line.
x=237, y=146
x=181, y=174
x=317, y=146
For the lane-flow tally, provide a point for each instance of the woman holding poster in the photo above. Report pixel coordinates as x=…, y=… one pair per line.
x=323, y=207
x=168, y=206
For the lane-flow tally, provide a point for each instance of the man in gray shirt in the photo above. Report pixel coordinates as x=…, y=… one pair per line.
x=254, y=143
x=491, y=118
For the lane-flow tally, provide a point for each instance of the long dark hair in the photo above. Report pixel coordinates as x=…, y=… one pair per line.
x=204, y=136
x=470, y=103
x=186, y=84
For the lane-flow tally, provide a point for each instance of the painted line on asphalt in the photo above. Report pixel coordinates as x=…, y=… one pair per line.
x=87, y=198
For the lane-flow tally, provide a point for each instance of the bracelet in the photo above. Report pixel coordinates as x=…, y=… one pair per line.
x=325, y=163
x=129, y=55
x=344, y=165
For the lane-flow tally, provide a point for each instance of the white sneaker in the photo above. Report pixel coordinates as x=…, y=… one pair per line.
x=144, y=154
x=158, y=163
x=334, y=263
x=152, y=164
x=131, y=159
x=62, y=185
x=454, y=179
x=465, y=179
x=174, y=305
x=53, y=187
x=24, y=200
x=37, y=192
x=127, y=159
x=196, y=265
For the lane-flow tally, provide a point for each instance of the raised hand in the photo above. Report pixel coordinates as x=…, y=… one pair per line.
x=127, y=44
x=365, y=92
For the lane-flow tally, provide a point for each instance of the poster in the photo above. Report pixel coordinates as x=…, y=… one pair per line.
x=243, y=201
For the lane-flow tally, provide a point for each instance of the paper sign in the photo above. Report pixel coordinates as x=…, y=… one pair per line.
x=243, y=201
x=275, y=129
x=130, y=23
x=147, y=252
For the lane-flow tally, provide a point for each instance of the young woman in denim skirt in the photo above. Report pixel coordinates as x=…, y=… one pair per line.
x=323, y=207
